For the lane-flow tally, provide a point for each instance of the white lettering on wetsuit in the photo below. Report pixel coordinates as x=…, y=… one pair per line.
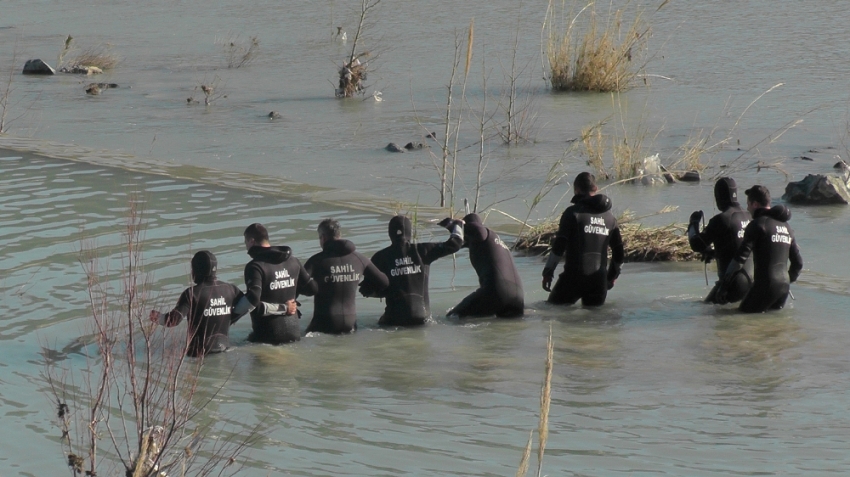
x=782, y=235
x=218, y=307
x=343, y=273
x=281, y=280
x=409, y=270
x=744, y=224
x=597, y=226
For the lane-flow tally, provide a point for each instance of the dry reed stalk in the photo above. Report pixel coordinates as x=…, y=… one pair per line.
x=545, y=402
x=526, y=455
x=594, y=147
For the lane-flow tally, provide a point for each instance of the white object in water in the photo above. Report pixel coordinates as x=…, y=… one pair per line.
x=377, y=96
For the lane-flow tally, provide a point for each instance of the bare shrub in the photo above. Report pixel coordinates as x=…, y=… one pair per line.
x=239, y=52
x=353, y=72
x=133, y=409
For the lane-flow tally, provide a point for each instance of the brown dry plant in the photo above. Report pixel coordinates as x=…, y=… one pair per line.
x=134, y=407
x=591, y=51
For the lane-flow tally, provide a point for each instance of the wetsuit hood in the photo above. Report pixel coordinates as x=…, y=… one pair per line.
x=777, y=212
x=595, y=203
x=270, y=254
x=473, y=219
x=400, y=229
x=726, y=193
x=338, y=247
x=204, y=266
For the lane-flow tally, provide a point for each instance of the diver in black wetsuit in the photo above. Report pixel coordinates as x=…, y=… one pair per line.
x=338, y=269
x=210, y=306
x=499, y=286
x=772, y=244
x=586, y=231
x=274, y=278
x=726, y=231
x=407, y=265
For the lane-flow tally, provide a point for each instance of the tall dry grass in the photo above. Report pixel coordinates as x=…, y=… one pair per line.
x=589, y=50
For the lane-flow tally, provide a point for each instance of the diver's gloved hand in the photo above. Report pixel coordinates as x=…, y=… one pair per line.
x=449, y=223
x=793, y=275
x=695, y=218
x=614, y=270
x=367, y=289
x=708, y=255
x=548, y=275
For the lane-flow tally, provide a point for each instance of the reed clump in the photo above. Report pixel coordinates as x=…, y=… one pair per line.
x=667, y=243
x=592, y=51
x=98, y=56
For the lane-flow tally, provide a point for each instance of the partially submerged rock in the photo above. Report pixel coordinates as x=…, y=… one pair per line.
x=38, y=67
x=650, y=172
x=97, y=88
x=393, y=147
x=818, y=189
x=411, y=146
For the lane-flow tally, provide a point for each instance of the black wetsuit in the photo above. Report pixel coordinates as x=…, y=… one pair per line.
x=407, y=265
x=274, y=277
x=726, y=231
x=209, y=307
x=586, y=231
x=338, y=269
x=499, y=285
x=772, y=244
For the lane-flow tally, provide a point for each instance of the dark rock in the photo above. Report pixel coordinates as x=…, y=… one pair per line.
x=410, y=146
x=841, y=165
x=393, y=147
x=274, y=115
x=97, y=88
x=432, y=135
x=38, y=67
x=690, y=176
x=806, y=158
x=818, y=189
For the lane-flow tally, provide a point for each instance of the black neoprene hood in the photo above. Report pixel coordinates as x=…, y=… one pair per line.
x=725, y=193
x=400, y=228
x=204, y=266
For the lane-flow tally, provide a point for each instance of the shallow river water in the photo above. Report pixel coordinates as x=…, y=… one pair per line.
x=653, y=383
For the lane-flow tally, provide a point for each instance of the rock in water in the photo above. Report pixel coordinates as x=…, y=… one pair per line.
x=393, y=147
x=818, y=189
x=37, y=67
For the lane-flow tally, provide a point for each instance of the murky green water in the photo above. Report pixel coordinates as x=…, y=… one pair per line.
x=653, y=383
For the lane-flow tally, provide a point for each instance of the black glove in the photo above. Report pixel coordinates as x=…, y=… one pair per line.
x=366, y=289
x=708, y=255
x=447, y=223
x=695, y=218
x=613, y=273
x=548, y=275
x=792, y=275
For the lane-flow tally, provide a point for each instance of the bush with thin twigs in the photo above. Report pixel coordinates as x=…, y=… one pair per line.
x=239, y=52
x=133, y=408
x=586, y=53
